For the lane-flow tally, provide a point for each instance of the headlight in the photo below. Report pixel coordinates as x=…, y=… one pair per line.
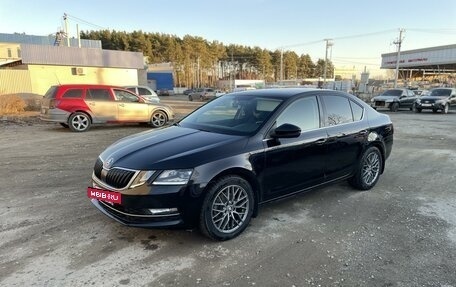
x=141, y=178
x=372, y=100
x=173, y=177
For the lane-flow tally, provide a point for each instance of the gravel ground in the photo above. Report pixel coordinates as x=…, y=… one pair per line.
x=401, y=233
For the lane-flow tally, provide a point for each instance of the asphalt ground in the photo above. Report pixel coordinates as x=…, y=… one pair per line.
x=400, y=233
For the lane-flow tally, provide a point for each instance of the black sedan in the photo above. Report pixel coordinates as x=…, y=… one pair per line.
x=394, y=99
x=215, y=167
x=438, y=99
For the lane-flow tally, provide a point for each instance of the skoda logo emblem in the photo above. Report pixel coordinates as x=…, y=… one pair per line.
x=108, y=163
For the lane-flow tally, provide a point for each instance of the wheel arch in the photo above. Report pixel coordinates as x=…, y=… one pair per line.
x=81, y=111
x=247, y=175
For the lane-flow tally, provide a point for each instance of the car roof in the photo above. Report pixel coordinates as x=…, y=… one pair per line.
x=279, y=92
x=87, y=85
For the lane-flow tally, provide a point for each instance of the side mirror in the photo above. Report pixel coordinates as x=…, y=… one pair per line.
x=286, y=131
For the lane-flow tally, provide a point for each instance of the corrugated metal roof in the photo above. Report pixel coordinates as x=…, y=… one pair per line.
x=46, y=40
x=89, y=57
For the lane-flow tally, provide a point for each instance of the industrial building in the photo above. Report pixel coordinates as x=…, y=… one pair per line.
x=427, y=63
x=31, y=64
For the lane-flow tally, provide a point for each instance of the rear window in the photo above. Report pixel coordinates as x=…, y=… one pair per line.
x=51, y=93
x=73, y=93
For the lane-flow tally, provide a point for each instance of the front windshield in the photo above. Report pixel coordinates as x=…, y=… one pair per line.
x=392, y=93
x=232, y=114
x=440, y=93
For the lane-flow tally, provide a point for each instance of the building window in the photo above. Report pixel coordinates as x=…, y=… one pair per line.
x=18, y=52
x=10, y=55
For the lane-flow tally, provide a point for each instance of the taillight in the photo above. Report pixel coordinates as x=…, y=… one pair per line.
x=52, y=104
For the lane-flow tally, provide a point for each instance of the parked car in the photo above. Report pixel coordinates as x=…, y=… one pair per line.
x=215, y=167
x=438, y=99
x=394, y=99
x=79, y=106
x=144, y=92
x=421, y=93
x=219, y=93
x=188, y=91
x=202, y=94
x=163, y=92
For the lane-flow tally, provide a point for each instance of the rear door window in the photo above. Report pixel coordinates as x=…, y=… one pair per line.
x=73, y=93
x=98, y=95
x=357, y=111
x=338, y=110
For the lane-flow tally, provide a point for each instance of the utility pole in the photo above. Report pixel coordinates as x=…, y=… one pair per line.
x=67, y=34
x=398, y=43
x=328, y=44
x=231, y=73
x=281, y=66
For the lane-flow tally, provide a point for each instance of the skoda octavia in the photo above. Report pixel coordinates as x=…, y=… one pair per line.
x=215, y=167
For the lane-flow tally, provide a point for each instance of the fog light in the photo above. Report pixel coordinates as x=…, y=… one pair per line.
x=163, y=211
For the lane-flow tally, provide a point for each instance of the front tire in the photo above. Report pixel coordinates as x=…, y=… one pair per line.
x=158, y=119
x=368, y=170
x=227, y=208
x=79, y=122
x=394, y=107
x=445, y=109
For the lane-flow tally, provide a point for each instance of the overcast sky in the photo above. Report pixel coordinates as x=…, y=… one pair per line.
x=361, y=30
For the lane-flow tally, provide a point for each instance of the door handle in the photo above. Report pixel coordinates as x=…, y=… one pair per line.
x=363, y=132
x=320, y=141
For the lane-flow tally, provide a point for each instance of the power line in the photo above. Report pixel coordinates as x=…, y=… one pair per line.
x=84, y=21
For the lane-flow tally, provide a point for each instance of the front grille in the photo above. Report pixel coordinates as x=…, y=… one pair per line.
x=98, y=168
x=379, y=104
x=118, y=178
x=428, y=101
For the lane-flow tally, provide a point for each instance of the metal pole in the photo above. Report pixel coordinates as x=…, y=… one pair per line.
x=67, y=34
x=79, y=36
x=281, y=66
x=398, y=43
x=328, y=44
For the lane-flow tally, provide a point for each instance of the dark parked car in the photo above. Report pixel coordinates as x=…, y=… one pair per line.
x=394, y=99
x=438, y=99
x=217, y=165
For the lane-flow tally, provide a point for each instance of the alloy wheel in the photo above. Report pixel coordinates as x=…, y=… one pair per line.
x=158, y=119
x=80, y=122
x=371, y=168
x=230, y=208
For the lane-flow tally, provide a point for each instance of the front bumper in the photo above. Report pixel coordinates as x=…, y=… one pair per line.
x=429, y=106
x=136, y=217
x=380, y=105
x=154, y=206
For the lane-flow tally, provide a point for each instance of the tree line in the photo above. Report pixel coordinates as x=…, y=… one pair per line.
x=198, y=62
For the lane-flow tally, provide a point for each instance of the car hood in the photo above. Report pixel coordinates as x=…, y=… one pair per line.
x=385, y=98
x=171, y=148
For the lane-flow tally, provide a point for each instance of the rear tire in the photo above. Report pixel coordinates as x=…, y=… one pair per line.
x=79, y=122
x=227, y=208
x=368, y=170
